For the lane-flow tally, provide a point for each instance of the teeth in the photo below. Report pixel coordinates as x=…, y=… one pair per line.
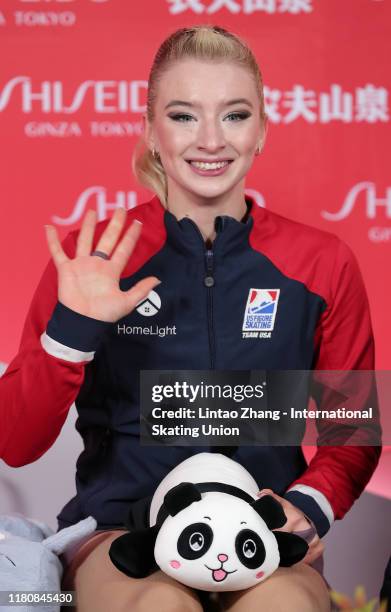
x=209, y=165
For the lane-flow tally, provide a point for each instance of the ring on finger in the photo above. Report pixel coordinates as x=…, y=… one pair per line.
x=101, y=254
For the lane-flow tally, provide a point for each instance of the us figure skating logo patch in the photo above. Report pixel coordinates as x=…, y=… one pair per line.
x=260, y=313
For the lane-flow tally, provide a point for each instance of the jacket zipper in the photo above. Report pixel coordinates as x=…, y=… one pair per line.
x=209, y=283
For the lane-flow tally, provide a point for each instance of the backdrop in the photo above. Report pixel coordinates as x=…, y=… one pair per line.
x=73, y=81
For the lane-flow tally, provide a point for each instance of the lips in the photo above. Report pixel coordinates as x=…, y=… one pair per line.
x=203, y=163
x=209, y=161
x=204, y=169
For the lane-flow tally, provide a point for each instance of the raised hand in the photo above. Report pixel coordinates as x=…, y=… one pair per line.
x=89, y=284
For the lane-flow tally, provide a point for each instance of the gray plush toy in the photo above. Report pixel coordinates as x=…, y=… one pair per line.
x=29, y=556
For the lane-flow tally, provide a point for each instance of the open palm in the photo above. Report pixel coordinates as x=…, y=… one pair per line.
x=89, y=284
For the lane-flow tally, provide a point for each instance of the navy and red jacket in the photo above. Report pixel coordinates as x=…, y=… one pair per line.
x=321, y=322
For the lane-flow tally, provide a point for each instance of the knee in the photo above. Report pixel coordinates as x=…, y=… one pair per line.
x=163, y=597
x=304, y=599
x=307, y=595
x=299, y=589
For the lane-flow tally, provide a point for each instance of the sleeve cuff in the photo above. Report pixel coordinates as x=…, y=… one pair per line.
x=314, y=505
x=75, y=331
x=56, y=349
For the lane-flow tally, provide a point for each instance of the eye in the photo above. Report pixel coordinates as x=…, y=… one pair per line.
x=250, y=549
x=194, y=541
x=239, y=116
x=185, y=118
x=181, y=117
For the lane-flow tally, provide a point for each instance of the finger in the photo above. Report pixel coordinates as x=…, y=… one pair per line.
x=54, y=245
x=112, y=232
x=314, y=552
x=295, y=523
x=140, y=291
x=263, y=492
x=125, y=247
x=86, y=234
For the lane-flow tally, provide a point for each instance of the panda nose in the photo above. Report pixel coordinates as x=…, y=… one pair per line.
x=222, y=558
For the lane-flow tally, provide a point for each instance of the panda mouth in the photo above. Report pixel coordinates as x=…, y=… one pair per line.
x=220, y=573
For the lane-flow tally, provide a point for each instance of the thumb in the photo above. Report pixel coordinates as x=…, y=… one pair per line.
x=140, y=291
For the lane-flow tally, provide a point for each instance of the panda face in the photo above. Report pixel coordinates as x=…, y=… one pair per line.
x=217, y=544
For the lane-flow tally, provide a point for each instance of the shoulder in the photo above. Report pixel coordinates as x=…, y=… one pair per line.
x=282, y=231
x=304, y=253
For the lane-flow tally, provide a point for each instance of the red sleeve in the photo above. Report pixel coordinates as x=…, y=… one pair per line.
x=344, y=342
x=37, y=389
x=45, y=377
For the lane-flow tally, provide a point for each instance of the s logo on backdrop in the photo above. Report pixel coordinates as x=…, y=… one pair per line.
x=375, y=207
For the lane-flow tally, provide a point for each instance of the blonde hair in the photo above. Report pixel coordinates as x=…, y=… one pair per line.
x=204, y=42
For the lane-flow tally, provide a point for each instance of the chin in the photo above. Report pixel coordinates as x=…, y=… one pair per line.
x=211, y=191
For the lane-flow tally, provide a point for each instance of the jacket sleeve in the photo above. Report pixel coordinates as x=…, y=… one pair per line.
x=337, y=475
x=42, y=381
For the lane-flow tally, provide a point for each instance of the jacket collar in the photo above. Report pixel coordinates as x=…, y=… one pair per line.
x=231, y=234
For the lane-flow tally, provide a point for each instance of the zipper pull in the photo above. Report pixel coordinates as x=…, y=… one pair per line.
x=209, y=281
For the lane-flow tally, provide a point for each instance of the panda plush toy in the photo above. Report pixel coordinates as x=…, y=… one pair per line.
x=206, y=527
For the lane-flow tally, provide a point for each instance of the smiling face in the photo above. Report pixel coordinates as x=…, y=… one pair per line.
x=208, y=549
x=205, y=112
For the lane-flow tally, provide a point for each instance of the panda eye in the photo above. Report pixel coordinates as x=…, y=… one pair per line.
x=250, y=549
x=194, y=541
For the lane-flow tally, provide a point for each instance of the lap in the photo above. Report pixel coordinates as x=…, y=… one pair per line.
x=300, y=586
x=101, y=587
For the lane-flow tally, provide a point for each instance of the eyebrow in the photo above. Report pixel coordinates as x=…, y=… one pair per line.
x=191, y=105
x=208, y=517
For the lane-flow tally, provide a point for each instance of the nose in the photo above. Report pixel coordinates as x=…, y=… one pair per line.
x=211, y=137
x=222, y=558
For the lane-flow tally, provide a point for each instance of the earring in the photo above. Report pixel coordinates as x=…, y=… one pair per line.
x=258, y=150
x=155, y=154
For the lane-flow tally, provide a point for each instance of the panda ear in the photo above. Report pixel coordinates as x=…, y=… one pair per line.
x=271, y=511
x=133, y=553
x=292, y=548
x=181, y=497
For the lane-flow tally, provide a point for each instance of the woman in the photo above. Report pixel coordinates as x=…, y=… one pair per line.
x=209, y=246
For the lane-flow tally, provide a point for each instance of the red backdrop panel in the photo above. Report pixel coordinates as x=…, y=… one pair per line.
x=73, y=86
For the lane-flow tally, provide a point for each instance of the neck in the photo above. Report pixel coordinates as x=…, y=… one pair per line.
x=203, y=211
